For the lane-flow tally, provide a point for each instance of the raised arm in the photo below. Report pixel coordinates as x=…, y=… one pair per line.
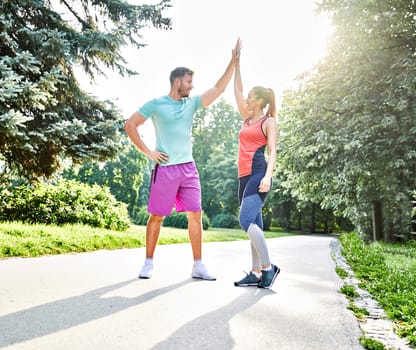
x=212, y=94
x=238, y=87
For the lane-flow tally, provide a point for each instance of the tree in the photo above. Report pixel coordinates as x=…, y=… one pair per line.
x=44, y=114
x=349, y=134
x=215, y=141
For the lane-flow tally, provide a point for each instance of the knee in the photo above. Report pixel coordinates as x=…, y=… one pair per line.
x=244, y=222
x=155, y=219
x=194, y=216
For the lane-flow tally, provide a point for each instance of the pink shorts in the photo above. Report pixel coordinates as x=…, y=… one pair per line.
x=174, y=186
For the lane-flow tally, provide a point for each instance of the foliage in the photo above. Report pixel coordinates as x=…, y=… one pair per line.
x=225, y=220
x=215, y=136
x=180, y=220
x=44, y=114
x=358, y=311
x=62, y=203
x=141, y=216
x=388, y=272
x=348, y=131
x=349, y=291
x=206, y=223
x=123, y=175
x=371, y=344
x=341, y=272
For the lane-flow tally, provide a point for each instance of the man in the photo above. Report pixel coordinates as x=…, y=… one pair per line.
x=175, y=179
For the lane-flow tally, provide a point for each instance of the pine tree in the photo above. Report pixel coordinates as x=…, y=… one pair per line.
x=45, y=116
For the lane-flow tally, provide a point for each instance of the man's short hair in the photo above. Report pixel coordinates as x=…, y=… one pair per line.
x=179, y=72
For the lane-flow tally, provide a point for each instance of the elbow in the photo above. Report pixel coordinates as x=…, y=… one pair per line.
x=127, y=126
x=220, y=90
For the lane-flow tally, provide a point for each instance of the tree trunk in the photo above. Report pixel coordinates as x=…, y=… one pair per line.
x=377, y=220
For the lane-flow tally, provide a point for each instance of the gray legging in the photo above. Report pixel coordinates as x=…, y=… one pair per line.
x=251, y=220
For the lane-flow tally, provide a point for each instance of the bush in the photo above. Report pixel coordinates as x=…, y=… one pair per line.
x=65, y=202
x=141, y=216
x=205, y=222
x=180, y=220
x=225, y=220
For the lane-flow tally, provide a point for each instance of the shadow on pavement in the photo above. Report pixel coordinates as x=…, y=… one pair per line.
x=62, y=314
x=212, y=330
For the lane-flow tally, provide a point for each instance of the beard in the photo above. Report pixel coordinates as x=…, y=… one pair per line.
x=183, y=92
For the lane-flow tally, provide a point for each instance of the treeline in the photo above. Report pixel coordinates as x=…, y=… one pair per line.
x=215, y=144
x=347, y=144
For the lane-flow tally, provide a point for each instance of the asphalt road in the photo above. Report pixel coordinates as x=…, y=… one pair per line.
x=95, y=301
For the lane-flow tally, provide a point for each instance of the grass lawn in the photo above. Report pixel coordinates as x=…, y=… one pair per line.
x=24, y=240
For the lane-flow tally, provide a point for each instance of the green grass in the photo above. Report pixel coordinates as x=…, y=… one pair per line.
x=349, y=291
x=341, y=272
x=358, y=311
x=388, y=272
x=24, y=240
x=371, y=344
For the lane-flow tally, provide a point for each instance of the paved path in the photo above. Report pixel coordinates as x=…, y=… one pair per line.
x=94, y=301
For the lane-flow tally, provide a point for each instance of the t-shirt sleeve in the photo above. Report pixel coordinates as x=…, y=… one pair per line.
x=147, y=109
x=197, y=102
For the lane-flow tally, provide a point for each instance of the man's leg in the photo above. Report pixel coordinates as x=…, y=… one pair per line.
x=152, y=234
x=195, y=233
x=195, y=236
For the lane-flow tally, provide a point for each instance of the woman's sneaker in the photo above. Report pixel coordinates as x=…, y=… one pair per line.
x=268, y=277
x=250, y=280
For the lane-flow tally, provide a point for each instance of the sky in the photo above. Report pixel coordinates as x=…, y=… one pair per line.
x=281, y=39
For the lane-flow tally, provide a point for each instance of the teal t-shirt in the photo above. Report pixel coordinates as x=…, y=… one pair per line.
x=172, y=121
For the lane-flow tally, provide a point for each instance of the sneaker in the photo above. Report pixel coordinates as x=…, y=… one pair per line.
x=147, y=270
x=200, y=271
x=268, y=277
x=250, y=280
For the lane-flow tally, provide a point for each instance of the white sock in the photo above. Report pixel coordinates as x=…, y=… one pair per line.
x=148, y=261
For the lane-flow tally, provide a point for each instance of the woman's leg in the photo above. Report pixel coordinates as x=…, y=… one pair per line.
x=249, y=212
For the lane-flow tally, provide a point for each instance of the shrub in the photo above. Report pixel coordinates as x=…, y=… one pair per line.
x=67, y=201
x=205, y=221
x=141, y=216
x=180, y=220
x=225, y=220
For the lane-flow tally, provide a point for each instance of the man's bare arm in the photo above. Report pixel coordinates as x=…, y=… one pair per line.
x=131, y=126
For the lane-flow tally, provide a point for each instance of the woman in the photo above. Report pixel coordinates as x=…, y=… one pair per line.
x=258, y=132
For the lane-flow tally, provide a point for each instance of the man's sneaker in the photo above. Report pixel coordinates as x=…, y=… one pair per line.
x=147, y=270
x=268, y=277
x=250, y=280
x=200, y=271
